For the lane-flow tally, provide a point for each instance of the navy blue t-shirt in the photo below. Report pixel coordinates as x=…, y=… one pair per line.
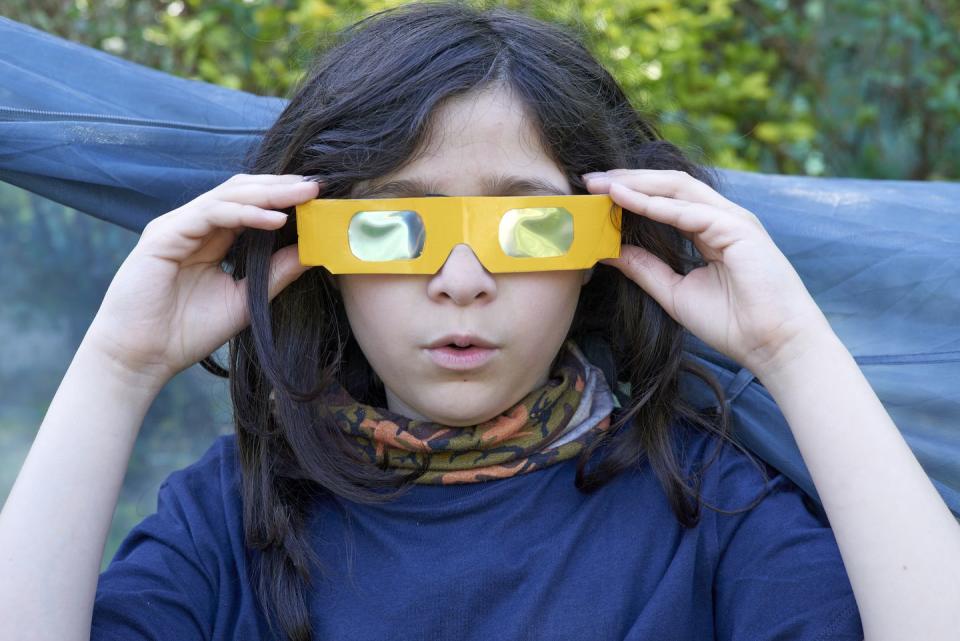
x=527, y=557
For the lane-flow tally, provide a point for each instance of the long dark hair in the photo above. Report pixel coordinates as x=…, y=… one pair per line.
x=361, y=111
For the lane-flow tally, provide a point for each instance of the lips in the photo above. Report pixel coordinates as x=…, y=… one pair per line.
x=461, y=358
x=461, y=340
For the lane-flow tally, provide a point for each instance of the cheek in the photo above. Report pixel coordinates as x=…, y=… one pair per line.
x=374, y=306
x=361, y=300
x=547, y=298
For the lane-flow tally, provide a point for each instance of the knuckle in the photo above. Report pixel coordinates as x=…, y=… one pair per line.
x=208, y=205
x=749, y=215
x=750, y=223
x=158, y=235
x=154, y=225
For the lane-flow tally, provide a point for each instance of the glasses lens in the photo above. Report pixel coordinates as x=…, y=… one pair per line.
x=386, y=235
x=536, y=232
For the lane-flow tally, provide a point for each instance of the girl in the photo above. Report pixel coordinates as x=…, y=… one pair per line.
x=546, y=483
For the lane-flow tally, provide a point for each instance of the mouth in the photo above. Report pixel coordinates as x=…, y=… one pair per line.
x=462, y=341
x=461, y=357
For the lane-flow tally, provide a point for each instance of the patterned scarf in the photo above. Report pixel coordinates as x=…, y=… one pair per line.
x=550, y=424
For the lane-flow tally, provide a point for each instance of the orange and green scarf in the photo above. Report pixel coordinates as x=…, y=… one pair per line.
x=550, y=424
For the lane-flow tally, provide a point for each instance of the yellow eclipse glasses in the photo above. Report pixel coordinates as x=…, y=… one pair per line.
x=415, y=235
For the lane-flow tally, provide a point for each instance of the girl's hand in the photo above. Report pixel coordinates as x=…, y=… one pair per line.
x=748, y=302
x=170, y=304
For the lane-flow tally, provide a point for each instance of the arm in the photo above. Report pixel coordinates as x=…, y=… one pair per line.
x=899, y=542
x=156, y=320
x=54, y=524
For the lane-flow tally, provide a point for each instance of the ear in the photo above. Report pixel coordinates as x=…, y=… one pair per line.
x=587, y=275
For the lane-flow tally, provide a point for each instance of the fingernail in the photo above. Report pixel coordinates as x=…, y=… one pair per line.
x=594, y=174
x=314, y=178
x=599, y=179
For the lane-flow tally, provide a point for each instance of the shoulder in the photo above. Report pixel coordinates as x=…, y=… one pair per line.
x=184, y=562
x=778, y=570
x=754, y=508
x=204, y=497
x=729, y=472
x=709, y=462
x=739, y=490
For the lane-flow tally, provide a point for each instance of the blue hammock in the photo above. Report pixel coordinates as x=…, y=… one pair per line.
x=126, y=143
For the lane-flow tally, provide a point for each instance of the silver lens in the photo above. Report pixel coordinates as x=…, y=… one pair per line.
x=376, y=236
x=536, y=232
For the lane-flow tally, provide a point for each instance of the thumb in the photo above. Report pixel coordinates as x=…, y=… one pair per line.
x=285, y=268
x=649, y=272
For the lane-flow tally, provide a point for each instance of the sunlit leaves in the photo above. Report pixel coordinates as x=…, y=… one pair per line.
x=870, y=89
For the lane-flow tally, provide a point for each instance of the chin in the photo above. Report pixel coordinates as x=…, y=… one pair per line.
x=453, y=411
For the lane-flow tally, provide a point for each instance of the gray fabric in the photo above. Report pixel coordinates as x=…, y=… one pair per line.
x=596, y=403
x=126, y=143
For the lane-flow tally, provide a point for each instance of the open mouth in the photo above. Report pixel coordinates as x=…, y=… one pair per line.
x=465, y=357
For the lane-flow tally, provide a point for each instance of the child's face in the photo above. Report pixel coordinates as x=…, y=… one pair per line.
x=525, y=315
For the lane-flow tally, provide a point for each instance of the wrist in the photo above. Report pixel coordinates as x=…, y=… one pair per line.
x=136, y=380
x=815, y=344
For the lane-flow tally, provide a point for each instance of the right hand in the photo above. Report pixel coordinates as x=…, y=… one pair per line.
x=170, y=304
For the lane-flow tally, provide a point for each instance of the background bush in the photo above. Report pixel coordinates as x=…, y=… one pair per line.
x=815, y=87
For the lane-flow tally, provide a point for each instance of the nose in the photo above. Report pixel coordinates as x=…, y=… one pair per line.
x=462, y=278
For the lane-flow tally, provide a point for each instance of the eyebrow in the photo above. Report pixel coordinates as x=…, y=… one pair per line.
x=498, y=185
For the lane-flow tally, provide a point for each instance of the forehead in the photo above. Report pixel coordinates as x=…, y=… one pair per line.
x=490, y=185
x=481, y=143
x=483, y=121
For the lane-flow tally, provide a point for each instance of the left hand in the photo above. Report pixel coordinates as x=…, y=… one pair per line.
x=747, y=302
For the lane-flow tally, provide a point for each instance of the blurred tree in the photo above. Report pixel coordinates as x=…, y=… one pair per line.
x=817, y=87
x=881, y=81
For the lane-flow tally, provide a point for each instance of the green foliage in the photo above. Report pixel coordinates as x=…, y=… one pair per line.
x=689, y=68
x=818, y=87
x=881, y=81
